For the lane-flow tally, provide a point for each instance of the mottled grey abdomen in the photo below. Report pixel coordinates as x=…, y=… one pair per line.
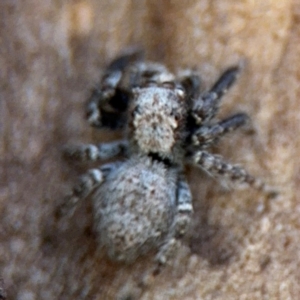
x=134, y=208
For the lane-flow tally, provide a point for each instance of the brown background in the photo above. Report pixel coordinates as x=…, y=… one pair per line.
x=241, y=245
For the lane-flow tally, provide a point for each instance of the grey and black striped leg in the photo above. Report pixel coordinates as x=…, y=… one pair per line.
x=85, y=185
x=205, y=136
x=207, y=105
x=89, y=152
x=108, y=102
x=180, y=224
x=184, y=208
x=126, y=58
x=217, y=166
x=190, y=81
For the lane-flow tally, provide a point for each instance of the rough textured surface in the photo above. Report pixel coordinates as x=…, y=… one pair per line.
x=241, y=245
x=127, y=226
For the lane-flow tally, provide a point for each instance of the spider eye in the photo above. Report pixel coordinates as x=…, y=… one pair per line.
x=168, y=85
x=150, y=83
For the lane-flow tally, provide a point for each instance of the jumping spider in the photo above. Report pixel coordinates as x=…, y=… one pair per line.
x=144, y=203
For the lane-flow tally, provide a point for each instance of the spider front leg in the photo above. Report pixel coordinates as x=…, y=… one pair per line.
x=91, y=152
x=85, y=185
x=190, y=81
x=94, y=177
x=218, y=167
x=207, y=105
x=108, y=103
x=205, y=136
x=180, y=224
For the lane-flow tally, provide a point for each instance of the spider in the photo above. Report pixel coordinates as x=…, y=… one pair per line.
x=143, y=203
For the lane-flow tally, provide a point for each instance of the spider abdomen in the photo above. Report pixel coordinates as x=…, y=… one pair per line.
x=134, y=208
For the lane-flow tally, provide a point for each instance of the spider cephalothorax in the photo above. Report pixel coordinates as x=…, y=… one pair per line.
x=143, y=203
x=157, y=130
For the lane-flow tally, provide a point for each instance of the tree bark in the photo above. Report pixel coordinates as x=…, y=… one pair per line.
x=241, y=245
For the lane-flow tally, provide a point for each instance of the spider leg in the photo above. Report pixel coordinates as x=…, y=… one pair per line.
x=86, y=184
x=207, y=105
x=217, y=166
x=108, y=102
x=178, y=229
x=190, y=81
x=205, y=136
x=89, y=152
x=180, y=224
x=128, y=57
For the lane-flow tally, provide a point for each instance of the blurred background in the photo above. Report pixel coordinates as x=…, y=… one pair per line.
x=241, y=245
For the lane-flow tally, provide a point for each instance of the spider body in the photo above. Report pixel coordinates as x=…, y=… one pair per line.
x=156, y=123
x=138, y=201
x=143, y=203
